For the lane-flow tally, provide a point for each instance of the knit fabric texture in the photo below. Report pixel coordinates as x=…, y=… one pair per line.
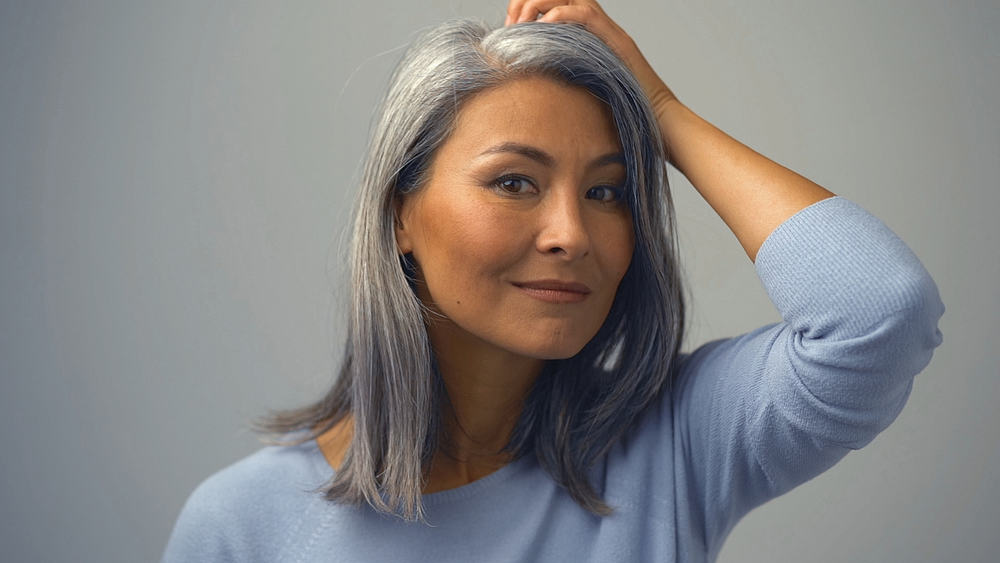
x=748, y=419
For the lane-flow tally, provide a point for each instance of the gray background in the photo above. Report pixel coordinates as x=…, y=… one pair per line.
x=176, y=178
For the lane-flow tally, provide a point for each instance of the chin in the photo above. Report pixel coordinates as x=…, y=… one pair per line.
x=554, y=350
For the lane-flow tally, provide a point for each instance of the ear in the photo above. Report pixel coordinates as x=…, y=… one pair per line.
x=404, y=242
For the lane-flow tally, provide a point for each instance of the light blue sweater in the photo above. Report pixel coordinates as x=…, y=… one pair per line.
x=748, y=419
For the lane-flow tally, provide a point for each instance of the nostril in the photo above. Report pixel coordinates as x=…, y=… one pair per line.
x=560, y=251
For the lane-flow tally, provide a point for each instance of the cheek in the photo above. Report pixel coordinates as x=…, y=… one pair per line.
x=481, y=235
x=464, y=244
x=617, y=242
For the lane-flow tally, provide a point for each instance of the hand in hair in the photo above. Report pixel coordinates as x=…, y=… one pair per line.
x=589, y=14
x=751, y=193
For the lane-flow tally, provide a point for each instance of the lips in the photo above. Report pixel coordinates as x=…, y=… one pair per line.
x=554, y=291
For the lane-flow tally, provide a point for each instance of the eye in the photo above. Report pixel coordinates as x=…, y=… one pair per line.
x=514, y=185
x=605, y=194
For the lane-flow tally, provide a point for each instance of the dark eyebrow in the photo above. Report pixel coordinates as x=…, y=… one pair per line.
x=546, y=159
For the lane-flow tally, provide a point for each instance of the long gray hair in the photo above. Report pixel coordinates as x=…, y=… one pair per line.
x=388, y=382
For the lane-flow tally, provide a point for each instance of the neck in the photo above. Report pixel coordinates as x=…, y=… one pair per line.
x=486, y=391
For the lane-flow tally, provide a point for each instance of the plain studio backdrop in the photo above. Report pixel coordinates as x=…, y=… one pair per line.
x=177, y=179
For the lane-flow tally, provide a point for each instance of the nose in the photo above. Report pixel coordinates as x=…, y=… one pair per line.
x=562, y=229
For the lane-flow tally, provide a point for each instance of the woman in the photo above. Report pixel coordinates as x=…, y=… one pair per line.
x=512, y=388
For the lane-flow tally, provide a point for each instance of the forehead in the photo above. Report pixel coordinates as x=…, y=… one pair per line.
x=536, y=111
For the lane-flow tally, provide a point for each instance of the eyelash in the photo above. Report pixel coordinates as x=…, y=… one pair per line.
x=617, y=192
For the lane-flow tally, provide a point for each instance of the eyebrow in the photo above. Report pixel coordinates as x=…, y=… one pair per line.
x=546, y=159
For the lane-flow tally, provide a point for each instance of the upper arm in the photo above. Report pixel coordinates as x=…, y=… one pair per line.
x=762, y=413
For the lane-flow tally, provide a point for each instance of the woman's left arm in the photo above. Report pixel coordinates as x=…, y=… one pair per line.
x=751, y=193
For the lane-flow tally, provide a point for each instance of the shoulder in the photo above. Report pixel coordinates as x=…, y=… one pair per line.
x=268, y=476
x=256, y=497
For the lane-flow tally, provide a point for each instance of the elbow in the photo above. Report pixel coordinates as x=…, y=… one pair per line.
x=920, y=308
x=888, y=332
x=910, y=333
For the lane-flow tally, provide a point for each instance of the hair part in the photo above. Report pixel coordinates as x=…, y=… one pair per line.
x=388, y=381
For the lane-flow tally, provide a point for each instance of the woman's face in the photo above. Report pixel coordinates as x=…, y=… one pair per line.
x=521, y=235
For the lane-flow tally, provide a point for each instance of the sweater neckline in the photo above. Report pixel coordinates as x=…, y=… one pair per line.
x=516, y=467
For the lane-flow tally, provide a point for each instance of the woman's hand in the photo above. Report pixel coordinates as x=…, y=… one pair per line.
x=589, y=14
x=751, y=193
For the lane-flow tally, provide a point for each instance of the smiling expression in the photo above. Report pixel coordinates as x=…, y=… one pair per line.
x=520, y=234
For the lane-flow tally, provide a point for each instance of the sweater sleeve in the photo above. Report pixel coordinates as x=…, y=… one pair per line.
x=760, y=414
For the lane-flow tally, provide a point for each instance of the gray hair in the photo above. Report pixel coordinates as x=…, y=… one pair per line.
x=579, y=407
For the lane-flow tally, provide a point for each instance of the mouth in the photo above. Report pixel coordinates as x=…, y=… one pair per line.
x=554, y=291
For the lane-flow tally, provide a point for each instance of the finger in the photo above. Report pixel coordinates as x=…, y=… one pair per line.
x=532, y=8
x=513, y=10
x=588, y=6
x=582, y=14
x=598, y=23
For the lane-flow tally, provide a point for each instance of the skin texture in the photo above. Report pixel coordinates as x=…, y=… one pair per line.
x=488, y=371
x=491, y=218
x=526, y=190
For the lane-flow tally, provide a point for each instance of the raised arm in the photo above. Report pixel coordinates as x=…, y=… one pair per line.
x=751, y=193
x=756, y=415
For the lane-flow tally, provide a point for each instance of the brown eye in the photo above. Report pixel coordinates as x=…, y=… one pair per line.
x=605, y=194
x=513, y=185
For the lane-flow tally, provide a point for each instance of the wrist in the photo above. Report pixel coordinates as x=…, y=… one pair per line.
x=673, y=119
